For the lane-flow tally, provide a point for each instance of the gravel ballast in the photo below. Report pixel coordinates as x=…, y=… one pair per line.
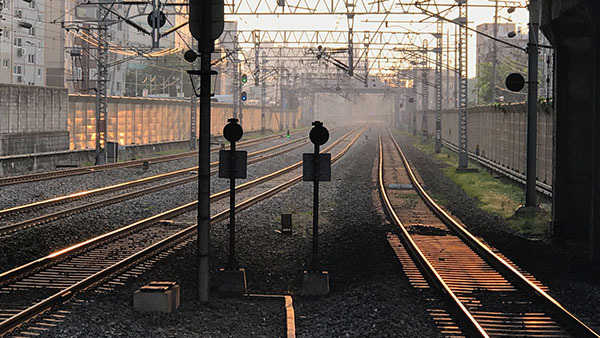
x=370, y=296
x=29, y=244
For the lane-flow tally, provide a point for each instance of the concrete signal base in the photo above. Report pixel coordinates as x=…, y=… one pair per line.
x=315, y=283
x=232, y=283
x=157, y=297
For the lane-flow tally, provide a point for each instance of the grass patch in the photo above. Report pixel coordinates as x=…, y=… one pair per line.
x=171, y=152
x=534, y=225
x=493, y=195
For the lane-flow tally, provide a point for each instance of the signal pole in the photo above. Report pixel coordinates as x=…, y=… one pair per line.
x=206, y=25
x=193, y=110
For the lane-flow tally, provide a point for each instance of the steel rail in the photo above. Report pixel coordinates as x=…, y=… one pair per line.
x=8, y=276
x=505, y=268
x=123, y=197
x=67, y=293
x=124, y=185
x=88, y=170
x=516, y=176
x=466, y=318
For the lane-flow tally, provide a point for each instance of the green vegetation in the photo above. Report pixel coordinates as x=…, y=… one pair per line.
x=494, y=195
x=171, y=151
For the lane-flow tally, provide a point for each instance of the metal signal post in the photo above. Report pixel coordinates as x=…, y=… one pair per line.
x=206, y=25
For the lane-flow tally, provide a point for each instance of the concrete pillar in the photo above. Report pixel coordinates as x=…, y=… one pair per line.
x=572, y=27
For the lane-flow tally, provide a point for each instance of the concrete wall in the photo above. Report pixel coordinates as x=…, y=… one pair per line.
x=23, y=164
x=151, y=120
x=44, y=123
x=500, y=134
x=32, y=119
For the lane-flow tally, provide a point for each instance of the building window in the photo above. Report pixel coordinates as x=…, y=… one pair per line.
x=18, y=42
x=31, y=58
x=39, y=71
x=5, y=63
x=32, y=31
x=32, y=4
x=17, y=70
x=78, y=74
x=118, y=86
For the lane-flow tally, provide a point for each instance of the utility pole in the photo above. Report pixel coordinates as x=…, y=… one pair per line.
x=438, y=87
x=102, y=78
x=425, y=104
x=366, y=40
x=263, y=93
x=236, y=78
x=240, y=88
x=494, y=54
x=414, y=99
x=448, y=69
x=456, y=67
x=350, y=17
x=532, y=50
x=463, y=157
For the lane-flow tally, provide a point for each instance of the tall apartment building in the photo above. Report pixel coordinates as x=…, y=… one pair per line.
x=30, y=45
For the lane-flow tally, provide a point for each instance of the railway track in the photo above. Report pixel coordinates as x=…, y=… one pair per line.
x=12, y=219
x=487, y=294
x=128, y=164
x=35, y=288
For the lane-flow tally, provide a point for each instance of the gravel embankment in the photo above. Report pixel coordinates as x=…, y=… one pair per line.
x=19, y=194
x=369, y=294
x=563, y=266
x=23, y=246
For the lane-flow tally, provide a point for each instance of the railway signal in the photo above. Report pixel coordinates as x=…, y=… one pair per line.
x=317, y=167
x=244, y=78
x=244, y=96
x=232, y=165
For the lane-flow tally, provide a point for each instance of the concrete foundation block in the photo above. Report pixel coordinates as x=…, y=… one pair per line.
x=232, y=283
x=157, y=297
x=174, y=287
x=315, y=283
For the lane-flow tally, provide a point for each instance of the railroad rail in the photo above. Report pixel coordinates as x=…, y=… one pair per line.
x=254, y=157
x=56, y=278
x=514, y=175
x=488, y=295
x=134, y=163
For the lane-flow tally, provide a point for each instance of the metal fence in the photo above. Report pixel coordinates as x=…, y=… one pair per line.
x=499, y=135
